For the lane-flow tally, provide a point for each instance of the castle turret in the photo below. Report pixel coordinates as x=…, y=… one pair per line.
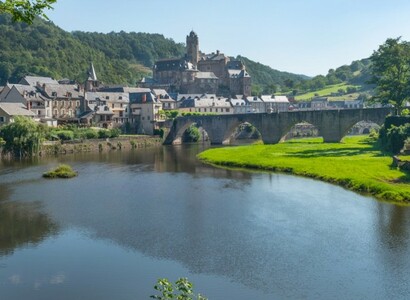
x=192, y=45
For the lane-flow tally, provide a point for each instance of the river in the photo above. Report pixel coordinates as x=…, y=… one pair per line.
x=132, y=217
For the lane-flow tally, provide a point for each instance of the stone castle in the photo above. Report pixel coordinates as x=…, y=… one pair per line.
x=198, y=73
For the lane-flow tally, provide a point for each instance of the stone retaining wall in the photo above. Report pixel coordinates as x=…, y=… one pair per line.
x=99, y=145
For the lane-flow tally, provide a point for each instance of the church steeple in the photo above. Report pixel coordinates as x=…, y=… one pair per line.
x=192, y=45
x=92, y=82
x=91, y=73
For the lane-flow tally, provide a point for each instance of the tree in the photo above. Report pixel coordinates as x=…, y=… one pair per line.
x=391, y=73
x=22, y=138
x=26, y=10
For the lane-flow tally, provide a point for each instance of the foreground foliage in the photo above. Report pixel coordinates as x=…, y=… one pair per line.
x=356, y=163
x=22, y=138
x=62, y=171
x=181, y=290
x=25, y=10
x=391, y=73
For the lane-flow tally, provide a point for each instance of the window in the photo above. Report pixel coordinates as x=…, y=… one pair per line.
x=2, y=119
x=227, y=110
x=148, y=118
x=54, y=94
x=113, y=105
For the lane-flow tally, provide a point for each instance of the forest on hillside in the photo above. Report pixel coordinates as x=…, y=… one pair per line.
x=44, y=49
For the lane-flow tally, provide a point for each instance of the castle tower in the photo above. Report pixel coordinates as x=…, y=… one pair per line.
x=192, y=47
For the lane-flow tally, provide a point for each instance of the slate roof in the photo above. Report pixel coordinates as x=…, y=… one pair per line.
x=33, y=80
x=62, y=90
x=275, y=99
x=108, y=97
x=15, y=109
x=206, y=102
x=206, y=75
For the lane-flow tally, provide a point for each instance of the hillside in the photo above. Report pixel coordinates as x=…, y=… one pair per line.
x=46, y=50
x=267, y=80
x=346, y=82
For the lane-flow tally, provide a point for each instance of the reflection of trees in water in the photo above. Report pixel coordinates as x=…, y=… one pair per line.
x=393, y=222
x=21, y=225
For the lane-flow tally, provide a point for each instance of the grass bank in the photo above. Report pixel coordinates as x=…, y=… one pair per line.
x=355, y=164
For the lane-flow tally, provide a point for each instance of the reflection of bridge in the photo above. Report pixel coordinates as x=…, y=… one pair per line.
x=333, y=125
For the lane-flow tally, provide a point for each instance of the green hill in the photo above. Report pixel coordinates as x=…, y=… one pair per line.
x=44, y=49
x=345, y=82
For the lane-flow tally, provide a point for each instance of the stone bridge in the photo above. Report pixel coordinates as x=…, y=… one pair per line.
x=333, y=125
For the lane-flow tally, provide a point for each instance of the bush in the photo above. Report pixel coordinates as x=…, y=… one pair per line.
x=393, y=138
x=62, y=171
x=64, y=135
x=192, y=134
x=104, y=133
x=159, y=132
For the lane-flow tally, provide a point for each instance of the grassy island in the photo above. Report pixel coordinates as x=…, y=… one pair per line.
x=356, y=164
x=62, y=171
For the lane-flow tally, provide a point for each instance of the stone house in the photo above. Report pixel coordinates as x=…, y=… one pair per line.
x=258, y=106
x=145, y=111
x=206, y=104
x=167, y=102
x=275, y=103
x=32, y=98
x=106, y=109
x=8, y=111
x=65, y=100
x=240, y=106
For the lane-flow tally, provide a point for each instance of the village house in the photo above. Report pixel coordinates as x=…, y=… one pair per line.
x=205, y=104
x=240, y=106
x=106, y=109
x=145, y=109
x=8, y=111
x=258, y=106
x=32, y=98
x=65, y=100
x=167, y=102
x=275, y=103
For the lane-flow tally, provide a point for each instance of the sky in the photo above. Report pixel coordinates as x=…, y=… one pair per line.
x=299, y=36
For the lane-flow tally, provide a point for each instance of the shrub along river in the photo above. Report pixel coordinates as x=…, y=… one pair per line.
x=132, y=217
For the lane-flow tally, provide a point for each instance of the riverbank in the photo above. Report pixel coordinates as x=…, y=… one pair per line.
x=355, y=164
x=99, y=145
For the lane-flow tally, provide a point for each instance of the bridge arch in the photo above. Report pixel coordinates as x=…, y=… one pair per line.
x=332, y=125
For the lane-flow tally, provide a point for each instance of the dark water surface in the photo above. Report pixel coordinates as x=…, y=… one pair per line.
x=130, y=218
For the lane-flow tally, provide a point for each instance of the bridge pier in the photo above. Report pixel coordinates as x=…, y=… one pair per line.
x=332, y=124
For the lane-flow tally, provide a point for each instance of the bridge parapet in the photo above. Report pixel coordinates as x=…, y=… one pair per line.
x=333, y=125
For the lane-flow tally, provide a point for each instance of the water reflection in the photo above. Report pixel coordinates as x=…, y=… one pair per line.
x=21, y=225
x=283, y=236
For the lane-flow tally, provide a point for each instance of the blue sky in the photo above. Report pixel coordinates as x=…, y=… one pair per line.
x=299, y=36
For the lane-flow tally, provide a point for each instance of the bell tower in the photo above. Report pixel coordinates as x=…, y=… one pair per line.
x=192, y=48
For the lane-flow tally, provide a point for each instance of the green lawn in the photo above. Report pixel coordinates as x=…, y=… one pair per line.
x=355, y=163
x=326, y=91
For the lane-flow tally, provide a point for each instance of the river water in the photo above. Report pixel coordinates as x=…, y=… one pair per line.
x=132, y=217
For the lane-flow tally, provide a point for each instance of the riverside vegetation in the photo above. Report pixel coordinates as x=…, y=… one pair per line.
x=357, y=163
x=62, y=171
